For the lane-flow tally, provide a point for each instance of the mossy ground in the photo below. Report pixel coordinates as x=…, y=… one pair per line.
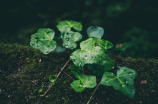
x=24, y=70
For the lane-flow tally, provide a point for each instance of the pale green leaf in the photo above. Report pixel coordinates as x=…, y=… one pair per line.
x=65, y=26
x=70, y=38
x=42, y=40
x=95, y=32
x=88, y=54
x=103, y=43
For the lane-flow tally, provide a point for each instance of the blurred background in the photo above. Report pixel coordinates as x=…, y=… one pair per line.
x=123, y=21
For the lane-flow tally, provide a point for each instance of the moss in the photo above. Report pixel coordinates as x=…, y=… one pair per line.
x=24, y=70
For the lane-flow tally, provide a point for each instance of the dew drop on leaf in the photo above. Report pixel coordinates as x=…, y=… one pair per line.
x=123, y=85
x=67, y=39
x=85, y=57
x=80, y=63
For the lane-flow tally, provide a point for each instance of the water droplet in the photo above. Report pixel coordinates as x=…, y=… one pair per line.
x=66, y=45
x=67, y=39
x=80, y=63
x=123, y=85
x=85, y=57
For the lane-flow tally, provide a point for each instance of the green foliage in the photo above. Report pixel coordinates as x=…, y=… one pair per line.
x=65, y=26
x=123, y=82
x=52, y=79
x=95, y=32
x=69, y=37
x=124, y=46
x=84, y=80
x=92, y=52
x=101, y=67
x=42, y=40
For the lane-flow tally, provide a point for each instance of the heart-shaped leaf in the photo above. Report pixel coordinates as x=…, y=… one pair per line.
x=85, y=81
x=42, y=40
x=123, y=82
x=70, y=38
x=65, y=26
x=89, y=53
x=103, y=44
x=95, y=32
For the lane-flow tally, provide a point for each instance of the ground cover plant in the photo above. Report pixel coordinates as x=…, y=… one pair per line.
x=92, y=53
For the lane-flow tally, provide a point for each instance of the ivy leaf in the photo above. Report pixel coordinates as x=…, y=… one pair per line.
x=84, y=81
x=42, y=40
x=101, y=67
x=88, y=54
x=124, y=46
x=77, y=86
x=70, y=38
x=52, y=79
x=103, y=44
x=65, y=26
x=95, y=32
x=123, y=82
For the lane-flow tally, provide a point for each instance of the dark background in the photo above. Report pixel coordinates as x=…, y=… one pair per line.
x=122, y=20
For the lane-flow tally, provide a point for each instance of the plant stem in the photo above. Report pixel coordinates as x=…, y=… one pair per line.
x=93, y=93
x=63, y=68
x=120, y=53
x=57, y=76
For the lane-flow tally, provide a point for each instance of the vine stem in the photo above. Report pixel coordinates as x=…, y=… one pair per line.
x=57, y=76
x=93, y=93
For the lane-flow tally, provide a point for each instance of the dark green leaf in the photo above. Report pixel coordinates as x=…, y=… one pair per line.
x=84, y=81
x=123, y=82
x=52, y=79
x=101, y=67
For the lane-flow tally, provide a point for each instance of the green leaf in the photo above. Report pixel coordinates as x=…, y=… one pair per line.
x=84, y=81
x=95, y=32
x=65, y=26
x=77, y=86
x=123, y=82
x=88, y=54
x=52, y=79
x=104, y=44
x=124, y=46
x=42, y=40
x=101, y=67
x=70, y=38
x=40, y=90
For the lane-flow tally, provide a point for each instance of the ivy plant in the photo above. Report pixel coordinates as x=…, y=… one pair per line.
x=91, y=52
